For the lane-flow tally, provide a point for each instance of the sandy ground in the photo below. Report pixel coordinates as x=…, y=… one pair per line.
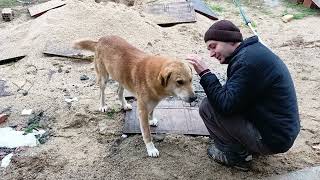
x=87, y=144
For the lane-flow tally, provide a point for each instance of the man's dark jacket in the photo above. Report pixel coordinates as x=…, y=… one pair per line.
x=259, y=86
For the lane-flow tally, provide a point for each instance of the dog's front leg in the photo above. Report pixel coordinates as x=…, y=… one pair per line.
x=124, y=103
x=145, y=130
x=152, y=120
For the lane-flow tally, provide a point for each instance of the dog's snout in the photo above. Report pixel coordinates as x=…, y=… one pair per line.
x=193, y=98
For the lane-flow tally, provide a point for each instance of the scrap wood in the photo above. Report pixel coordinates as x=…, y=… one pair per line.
x=311, y=3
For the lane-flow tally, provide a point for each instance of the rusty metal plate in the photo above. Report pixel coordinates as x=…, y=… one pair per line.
x=174, y=117
x=43, y=7
x=63, y=50
x=171, y=13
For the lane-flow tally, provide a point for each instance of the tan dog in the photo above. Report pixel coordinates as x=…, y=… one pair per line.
x=150, y=78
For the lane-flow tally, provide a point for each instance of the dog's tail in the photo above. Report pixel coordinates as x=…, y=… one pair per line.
x=85, y=44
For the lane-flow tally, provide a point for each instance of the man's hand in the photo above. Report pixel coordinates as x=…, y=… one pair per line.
x=197, y=63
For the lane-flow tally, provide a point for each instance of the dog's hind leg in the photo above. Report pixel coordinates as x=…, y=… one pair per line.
x=103, y=79
x=124, y=103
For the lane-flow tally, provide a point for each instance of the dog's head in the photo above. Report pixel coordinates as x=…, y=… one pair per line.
x=176, y=78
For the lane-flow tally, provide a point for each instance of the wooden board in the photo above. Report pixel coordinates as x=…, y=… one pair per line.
x=311, y=3
x=65, y=50
x=174, y=116
x=171, y=13
x=43, y=7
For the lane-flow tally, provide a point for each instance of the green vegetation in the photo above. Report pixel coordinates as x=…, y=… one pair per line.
x=8, y=3
x=216, y=8
x=298, y=10
x=111, y=113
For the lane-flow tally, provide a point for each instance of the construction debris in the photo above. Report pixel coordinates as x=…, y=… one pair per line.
x=287, y=18
x=3, y=118
x=7, y=14
x=26, y=112
x=3, y=88
x=6, y=160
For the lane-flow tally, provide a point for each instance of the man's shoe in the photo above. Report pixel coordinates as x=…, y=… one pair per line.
x=241, y=161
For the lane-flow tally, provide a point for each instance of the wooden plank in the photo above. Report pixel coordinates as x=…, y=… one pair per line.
x=311, y=3
x=171, y=13
x=65, y=50
x=201, y=8
x=44, y=7
x=172, y=119
x=307, y=3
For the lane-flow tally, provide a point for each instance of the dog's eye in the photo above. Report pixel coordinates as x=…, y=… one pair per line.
x=180, y=82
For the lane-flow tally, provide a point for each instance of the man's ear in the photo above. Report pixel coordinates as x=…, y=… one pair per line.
x=164, y=77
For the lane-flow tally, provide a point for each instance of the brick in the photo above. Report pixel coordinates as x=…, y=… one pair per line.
x=7, y=14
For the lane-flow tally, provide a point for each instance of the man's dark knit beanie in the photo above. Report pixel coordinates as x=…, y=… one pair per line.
x=225, y=31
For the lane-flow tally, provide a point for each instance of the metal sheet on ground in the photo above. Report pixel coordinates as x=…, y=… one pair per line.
x=174, y=117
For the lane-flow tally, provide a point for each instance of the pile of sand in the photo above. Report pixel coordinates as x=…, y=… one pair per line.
x=87, y=19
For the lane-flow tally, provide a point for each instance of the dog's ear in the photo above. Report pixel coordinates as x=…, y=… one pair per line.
x=164, y=77
x=190, y=68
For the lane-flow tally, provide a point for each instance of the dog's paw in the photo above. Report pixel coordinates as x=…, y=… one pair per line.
x=103, y=109
x=152, y=151
x=153, y=122
x=127, y=107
